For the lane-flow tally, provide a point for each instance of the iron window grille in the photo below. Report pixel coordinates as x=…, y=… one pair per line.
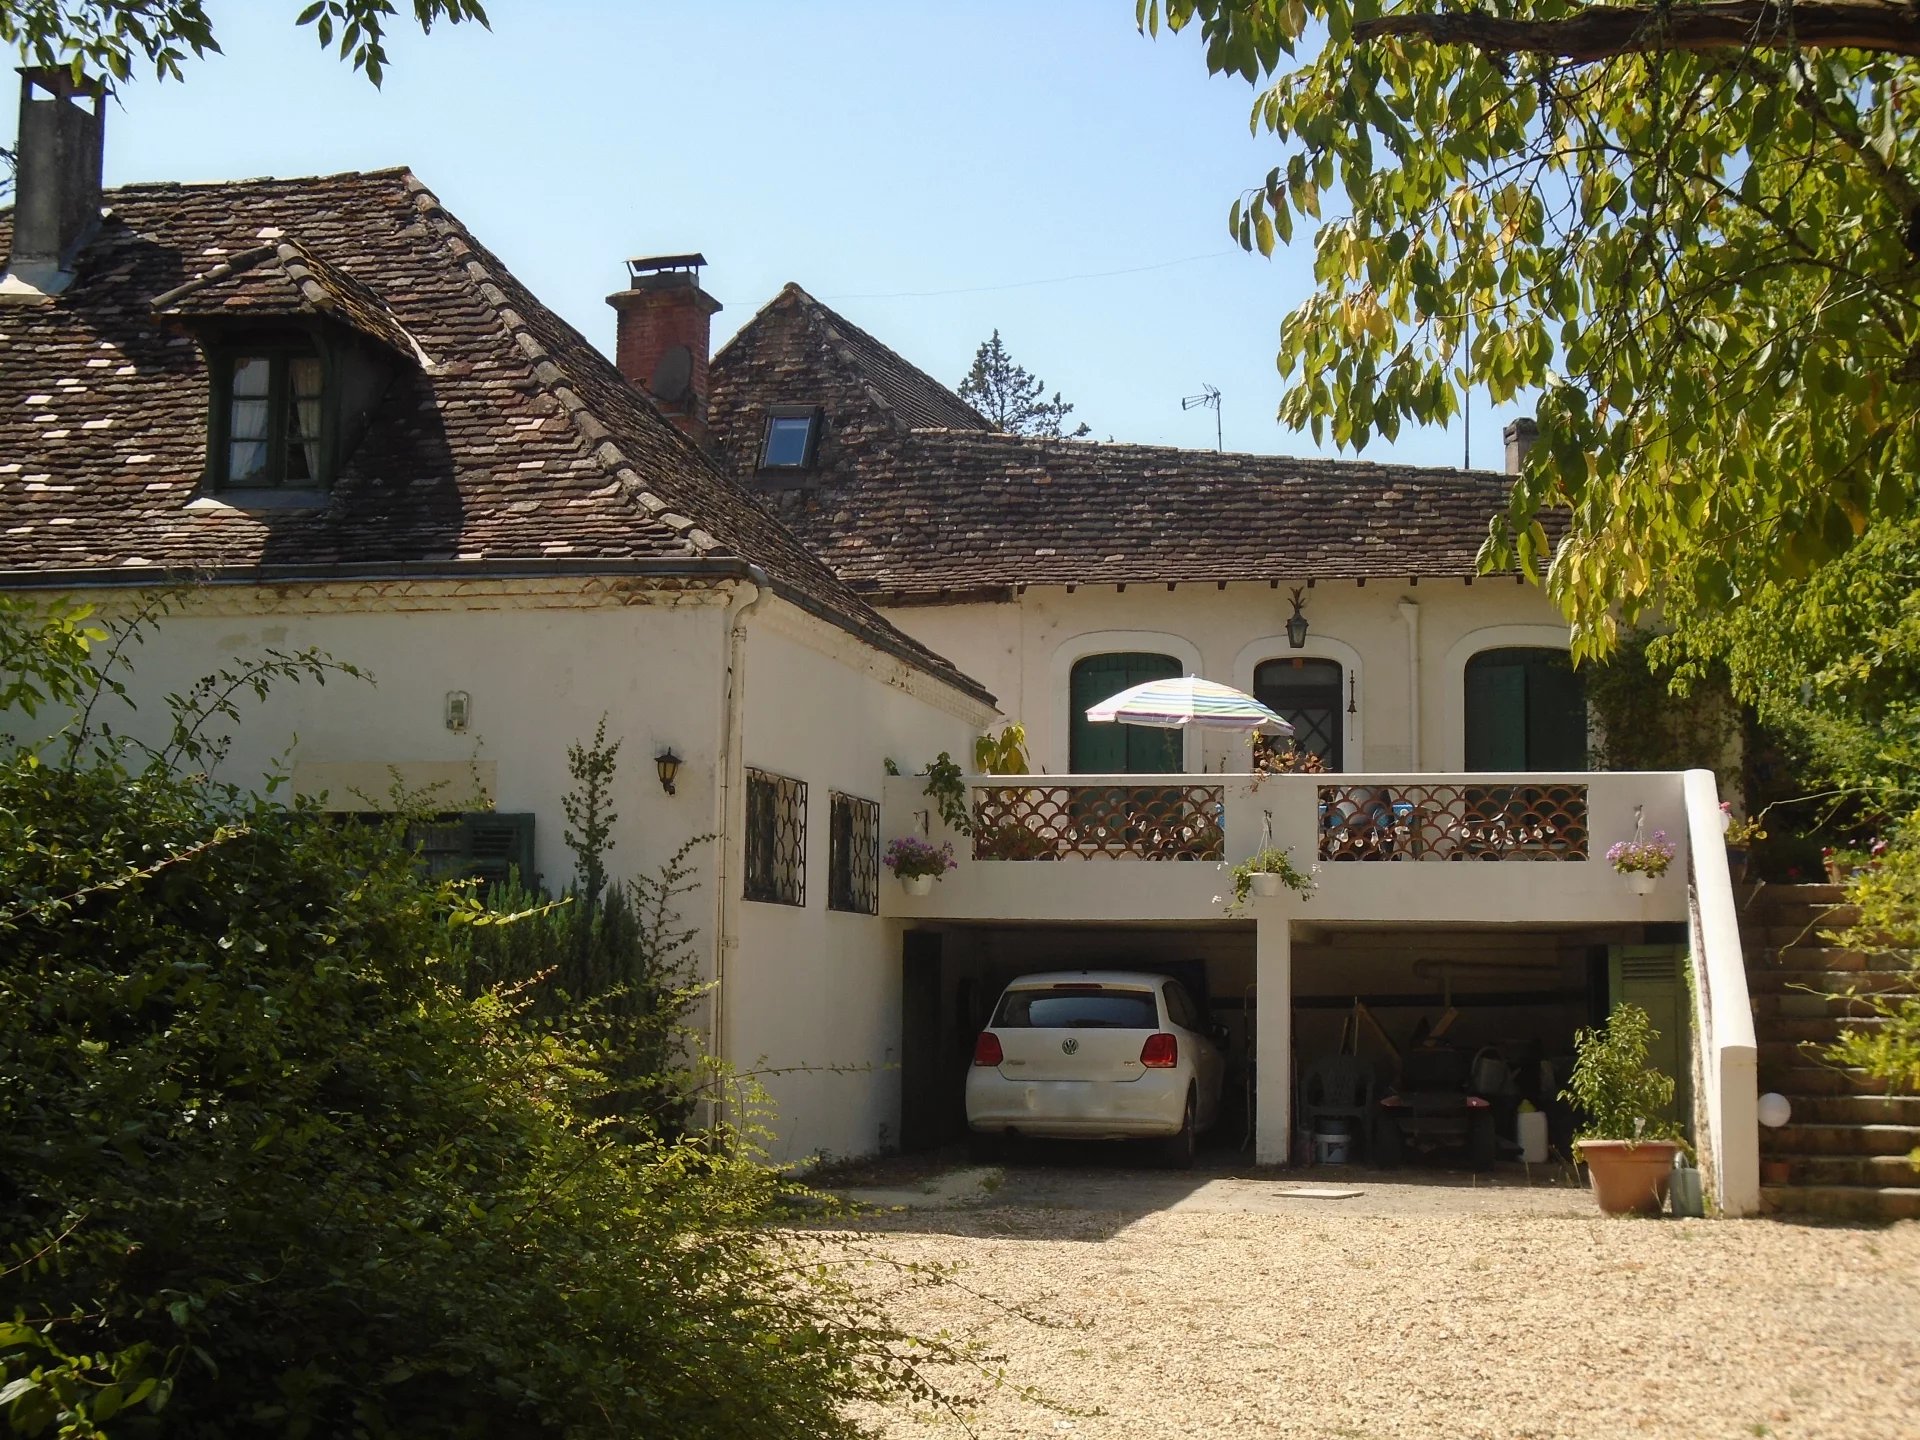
x=853, y=862
x=776, y=869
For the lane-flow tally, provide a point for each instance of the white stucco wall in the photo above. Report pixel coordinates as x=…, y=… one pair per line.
x=1023, y=651
x=539, y=673
x=540, y=665
x=811, y=989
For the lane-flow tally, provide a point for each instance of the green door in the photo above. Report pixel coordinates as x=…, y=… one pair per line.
x=1654, y=978
x=1119, y=749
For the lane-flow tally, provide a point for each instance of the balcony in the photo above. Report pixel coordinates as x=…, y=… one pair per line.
x=1496, y=848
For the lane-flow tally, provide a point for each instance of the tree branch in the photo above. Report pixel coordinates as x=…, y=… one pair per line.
x=1602, y=32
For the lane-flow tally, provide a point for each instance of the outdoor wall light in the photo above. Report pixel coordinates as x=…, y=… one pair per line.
x=1297, y=625
x=668, y=764
x=459, y=711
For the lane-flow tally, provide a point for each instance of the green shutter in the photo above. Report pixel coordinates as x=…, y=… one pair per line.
x=1654, y=978
x=1118, y=749
x=1496, y=715
x=1556, y=713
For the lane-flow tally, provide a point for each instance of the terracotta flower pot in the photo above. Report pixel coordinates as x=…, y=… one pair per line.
x=1630, y=1177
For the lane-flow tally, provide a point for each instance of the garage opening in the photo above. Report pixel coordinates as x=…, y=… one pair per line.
x=953, y=975
x=1432, y=1046
x=1485, y=1015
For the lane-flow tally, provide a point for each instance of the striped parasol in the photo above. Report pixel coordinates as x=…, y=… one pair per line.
x=1178, y=703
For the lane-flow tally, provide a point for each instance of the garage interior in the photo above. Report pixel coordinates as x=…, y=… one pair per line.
x=1505, y=1000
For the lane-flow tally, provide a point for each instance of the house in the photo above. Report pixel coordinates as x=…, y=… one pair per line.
x=319, y=413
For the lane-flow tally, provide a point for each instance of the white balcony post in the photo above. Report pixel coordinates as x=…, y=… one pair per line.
x=1273, y=1033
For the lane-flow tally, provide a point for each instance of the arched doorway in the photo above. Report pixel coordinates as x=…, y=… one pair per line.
x=1309, y=692
x=1526, y=709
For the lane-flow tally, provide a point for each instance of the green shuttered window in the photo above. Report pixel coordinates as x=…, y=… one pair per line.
x=1119, y=749
x=1526, y=710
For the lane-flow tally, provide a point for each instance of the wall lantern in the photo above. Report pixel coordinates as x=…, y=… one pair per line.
x=1297, y=625
x=668, y=764
x=459, y=711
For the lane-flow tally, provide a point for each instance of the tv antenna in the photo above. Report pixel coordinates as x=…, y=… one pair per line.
x=1207, y=399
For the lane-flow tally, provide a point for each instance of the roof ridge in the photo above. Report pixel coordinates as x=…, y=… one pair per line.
x=551, y=377
x=148, y=186
x=837, y=324
x=1190, y=453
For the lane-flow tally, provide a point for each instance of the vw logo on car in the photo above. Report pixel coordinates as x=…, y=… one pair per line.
x=1069, y=1045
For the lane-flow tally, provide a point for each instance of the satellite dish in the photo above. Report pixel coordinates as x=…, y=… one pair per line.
x=673, y=375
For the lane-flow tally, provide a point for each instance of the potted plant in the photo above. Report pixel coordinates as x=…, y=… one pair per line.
x=1843, y=864
x=1627, y=1143
x=1741, y=835
x=1267, y=871
x=1642, y=861
x=917, y=863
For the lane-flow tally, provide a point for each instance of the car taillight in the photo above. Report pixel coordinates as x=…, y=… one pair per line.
x=1161, y=1052
x=987, y=1051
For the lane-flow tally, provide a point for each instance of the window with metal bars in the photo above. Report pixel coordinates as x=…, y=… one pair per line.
x=853, y=857
x=776, y=869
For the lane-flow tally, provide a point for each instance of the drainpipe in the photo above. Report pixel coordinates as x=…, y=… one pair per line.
x=1410, y=612
x=728, y=829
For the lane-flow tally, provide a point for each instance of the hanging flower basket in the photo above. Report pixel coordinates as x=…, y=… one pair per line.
x=1642, y=862
x=917, y=864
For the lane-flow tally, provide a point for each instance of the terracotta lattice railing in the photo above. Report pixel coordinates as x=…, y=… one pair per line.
x=1067, y=821
x=1453, y=822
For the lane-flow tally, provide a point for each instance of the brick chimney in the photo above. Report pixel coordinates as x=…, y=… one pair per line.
x=1520, y=436
x=57, y=184
x=663, y=335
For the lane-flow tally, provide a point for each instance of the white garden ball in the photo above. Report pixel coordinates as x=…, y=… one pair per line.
x=1774, y=1110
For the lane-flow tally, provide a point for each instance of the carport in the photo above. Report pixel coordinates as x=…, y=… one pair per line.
x=1507, y=996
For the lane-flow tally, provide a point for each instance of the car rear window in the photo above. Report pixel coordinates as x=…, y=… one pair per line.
x=1077, y=1008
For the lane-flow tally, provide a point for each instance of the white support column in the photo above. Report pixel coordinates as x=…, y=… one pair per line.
x=1273, y=1033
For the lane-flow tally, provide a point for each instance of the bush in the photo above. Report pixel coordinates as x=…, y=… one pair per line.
x=273, y=1164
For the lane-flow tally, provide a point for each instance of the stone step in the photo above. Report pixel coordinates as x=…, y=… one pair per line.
x=1769, y=933
x=1895, y=1172
x=1855, y=1109
x=1813, y=960
x=1766, y=980
x=1771, y=1009
x=1842, y=1202
x=1792, y=1070
x=1816, y=1030
x=1804, y=1137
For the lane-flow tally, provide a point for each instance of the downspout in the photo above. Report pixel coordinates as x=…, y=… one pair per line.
x=1410, y=612
x=732, y=776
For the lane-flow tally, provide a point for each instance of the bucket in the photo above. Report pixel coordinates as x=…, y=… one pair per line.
x=1332, y=1149
x=1530, y=1129
x=1688, y=1201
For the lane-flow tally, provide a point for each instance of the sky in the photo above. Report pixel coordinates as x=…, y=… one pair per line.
x=933, y=171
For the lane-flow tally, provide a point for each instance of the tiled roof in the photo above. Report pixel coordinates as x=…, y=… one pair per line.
x=284, y=278
x=942, y=510
x=960, y=513
x=917, y=399
x=519, y=442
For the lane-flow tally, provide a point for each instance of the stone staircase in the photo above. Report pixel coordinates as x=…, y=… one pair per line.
x=1845, y=1149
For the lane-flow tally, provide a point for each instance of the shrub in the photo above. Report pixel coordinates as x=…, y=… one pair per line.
x=273, y=1163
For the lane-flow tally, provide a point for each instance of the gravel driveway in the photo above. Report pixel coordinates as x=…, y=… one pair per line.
x=1222, y=1306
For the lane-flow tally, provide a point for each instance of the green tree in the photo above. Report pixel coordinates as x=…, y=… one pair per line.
x=1013, y=400
x=269, y=1169
x=112, y=37
x=1693, y=227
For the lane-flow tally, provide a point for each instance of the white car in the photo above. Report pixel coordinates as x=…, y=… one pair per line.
x=1096, y=1055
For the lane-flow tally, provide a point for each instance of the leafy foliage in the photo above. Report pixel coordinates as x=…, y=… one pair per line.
x=947, y=788
x=1648, y=718
x=275, y=1160
x=1622, y=1096
x=111, y=37
x=1005, y=753
x=1268, y=860
x=1011, y=399
x=1698, y=243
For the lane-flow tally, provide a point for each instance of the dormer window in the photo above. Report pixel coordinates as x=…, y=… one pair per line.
x=793, y=435
x=275, y=419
